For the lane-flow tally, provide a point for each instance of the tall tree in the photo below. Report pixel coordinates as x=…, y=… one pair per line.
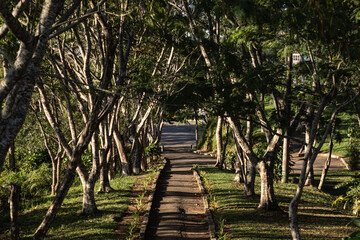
x=19, y=80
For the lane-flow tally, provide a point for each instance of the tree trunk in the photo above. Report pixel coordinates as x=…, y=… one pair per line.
x=58, y=173
x=88, y=180
x=59, y=198
x=327, y=162
x=56, y=165
x=144, y=142
x=18, y=84
x=104, y=185
x=14, y=201
x=285, y=158
x=250, y=189
x=137, y=156
x=310, y=178
x=287, y=116
x=218, y=142
x=223, y=152
x=196, y=130
x=125, y=165
x=238, y=171
x=267, y=196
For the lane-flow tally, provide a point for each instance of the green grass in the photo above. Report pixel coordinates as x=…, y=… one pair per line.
x=68, y=223
x=318, y=218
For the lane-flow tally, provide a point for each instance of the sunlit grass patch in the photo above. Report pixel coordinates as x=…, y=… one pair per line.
x=69, y=224
x=318, y=218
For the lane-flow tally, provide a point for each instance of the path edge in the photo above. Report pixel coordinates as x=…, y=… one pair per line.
x=206, y=205
x=145, y=221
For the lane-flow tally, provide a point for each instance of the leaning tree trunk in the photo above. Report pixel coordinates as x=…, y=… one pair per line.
x=59, y=198
x=125, y=164
x=18, y=84
x=328, y=160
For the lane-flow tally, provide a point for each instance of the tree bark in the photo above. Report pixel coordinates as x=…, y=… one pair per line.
x=125, y=164
x=136, y=162
x=88, y=180
x=218, y=135
x=285, y=158
x=105, y=138
x=287, y=129
x=328, y=160
x=250, y=189
x=223, y=151
x=17, y=87
x=14, y=201
x=267, y=196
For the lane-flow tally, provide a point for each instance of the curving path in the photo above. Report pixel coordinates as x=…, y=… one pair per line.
x=178, y=209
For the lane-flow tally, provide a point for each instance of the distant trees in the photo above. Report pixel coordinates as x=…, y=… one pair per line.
x=101, y=77
x=247, y=49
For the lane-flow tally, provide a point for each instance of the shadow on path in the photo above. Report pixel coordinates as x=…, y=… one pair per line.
x=178, y=209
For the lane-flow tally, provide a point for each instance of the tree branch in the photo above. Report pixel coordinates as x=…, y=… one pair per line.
x=16, y=12
x=13, y=24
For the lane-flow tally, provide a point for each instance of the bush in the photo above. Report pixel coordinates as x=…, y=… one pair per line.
x=353, y=154
x=33, y=183
x=351, y=198
x=152, y=150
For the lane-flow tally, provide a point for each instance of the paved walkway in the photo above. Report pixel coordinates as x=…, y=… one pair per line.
x=178, y=209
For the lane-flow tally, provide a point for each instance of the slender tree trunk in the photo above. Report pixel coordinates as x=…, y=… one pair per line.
x=137, y=156
x=54, y=177
x=267, y=196
x=308, y=148
x=125, y=165
x=287, y=129
x=218, y=142
x=328, y=160
x=144, y=142
x=223, y=152
x=285, y=158
x=243, y=148
x=59, y=198
x=58, y=173
x=14, y=201
x=250, y=190
x=196, y=130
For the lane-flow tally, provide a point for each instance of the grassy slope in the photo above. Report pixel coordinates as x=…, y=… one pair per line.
x=318, y=218
x=68, y=224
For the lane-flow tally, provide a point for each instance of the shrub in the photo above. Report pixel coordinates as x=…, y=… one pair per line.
x=351, y=197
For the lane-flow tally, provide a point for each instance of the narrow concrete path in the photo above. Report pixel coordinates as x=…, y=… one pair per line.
x=178, y=209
